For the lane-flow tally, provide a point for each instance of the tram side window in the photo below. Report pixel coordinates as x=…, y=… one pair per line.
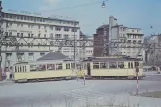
x=112, y=64
x=95, y=65
x=50, y=66
x=59, y=66
x=72, y=65
x=33, y=68
x=20, y=69
x=67, y=66
x=131, y=64
x=25, y=69
x=15, y=68
x=121, y=64
x=103, y=65
x=42, y=67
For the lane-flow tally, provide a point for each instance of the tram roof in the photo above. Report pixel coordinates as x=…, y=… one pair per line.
x=101, y=59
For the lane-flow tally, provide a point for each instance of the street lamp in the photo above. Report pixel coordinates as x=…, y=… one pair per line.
x=104, y=4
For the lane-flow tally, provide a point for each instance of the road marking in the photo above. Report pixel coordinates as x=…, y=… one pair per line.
x=84, y=94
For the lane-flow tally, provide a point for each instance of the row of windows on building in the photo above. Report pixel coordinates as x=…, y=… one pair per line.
x=134, y=36
x=131, y=36
x=131, y=41
x=57, y=36
x=9, y=55
x=67, y=29
x=38, y=19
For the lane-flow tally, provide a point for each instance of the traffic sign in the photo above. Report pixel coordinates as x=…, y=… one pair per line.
x=137, y=69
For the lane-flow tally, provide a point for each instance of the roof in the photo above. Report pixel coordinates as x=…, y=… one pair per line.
x=118, y=26
x=111, y=59
x=40, y=16
x=53, y=56
x=104, y=26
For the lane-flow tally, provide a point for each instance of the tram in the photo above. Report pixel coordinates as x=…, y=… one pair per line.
x=40, y=71
x=113, y=67
x=91, y=68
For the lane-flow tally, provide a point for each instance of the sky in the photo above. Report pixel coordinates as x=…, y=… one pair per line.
x=131, y=13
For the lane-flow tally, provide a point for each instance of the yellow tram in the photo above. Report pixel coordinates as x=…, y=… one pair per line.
x=99, y=67
x=38, y=71
x=112, y=67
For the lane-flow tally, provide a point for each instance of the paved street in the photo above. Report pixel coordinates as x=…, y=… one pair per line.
x=68, y=93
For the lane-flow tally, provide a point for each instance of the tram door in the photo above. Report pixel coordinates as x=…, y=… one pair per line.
x=88, y=69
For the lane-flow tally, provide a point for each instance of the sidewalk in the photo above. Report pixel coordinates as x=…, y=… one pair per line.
x=6, y=82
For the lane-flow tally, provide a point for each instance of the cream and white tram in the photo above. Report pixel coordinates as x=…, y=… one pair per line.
x=38, y=71
x=112, y=67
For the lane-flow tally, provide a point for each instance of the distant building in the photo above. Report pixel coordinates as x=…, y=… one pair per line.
x=86, y=52
x=100, y=38
x=113, y=32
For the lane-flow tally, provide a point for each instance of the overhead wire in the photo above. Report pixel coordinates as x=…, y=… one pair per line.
x=71, y=7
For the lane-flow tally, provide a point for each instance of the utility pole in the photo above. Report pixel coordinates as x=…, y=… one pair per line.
x=1, y=37
x=74, y=48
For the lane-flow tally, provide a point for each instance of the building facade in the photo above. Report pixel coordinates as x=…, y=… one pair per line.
x=130, y=39
x=86, y=52
x=26, y=25
x=100, y=38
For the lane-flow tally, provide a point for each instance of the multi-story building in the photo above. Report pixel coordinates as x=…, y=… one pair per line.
x=86, y=51
x=130, y=37
x=26, y=24
x=102, y=34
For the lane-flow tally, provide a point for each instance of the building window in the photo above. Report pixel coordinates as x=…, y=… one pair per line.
x=10, y=34
x=74, y=30
x=45, y=35
x=66, y=29
x=51, y=42
x=18, y=34
x=66, y=36
x=58, y=36
x=8, y=56
x=31, y=56
x=51, y=27
x=42, y=54
x=39, y=35
x=10, y=24
x=28, y=35
x=129, y=41
x=21, y=34
x=58, y=29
